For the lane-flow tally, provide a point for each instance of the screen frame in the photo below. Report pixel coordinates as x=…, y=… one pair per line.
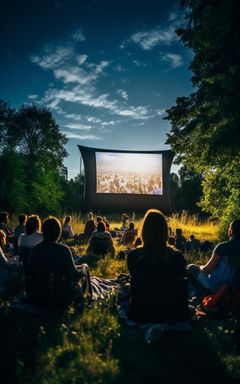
x=115, y=202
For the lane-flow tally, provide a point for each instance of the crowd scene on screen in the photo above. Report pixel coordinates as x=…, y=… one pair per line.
x=39, y=257
x=129, y=182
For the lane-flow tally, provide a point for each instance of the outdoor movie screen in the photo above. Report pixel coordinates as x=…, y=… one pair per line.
x=129, y=173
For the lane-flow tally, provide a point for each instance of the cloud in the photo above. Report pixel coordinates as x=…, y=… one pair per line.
x=119, y=68
x=160, y=35
x=53, y=57
x=78, y=126
x=122, y=93
x=137, y=62
x=71, y=135
x=81, y=59
x=79, y=77
x=78, y=35
x=32, y=97
x=150, y=39
x=73, y=116
x=173, y=59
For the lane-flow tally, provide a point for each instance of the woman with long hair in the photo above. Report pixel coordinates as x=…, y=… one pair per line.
x=158, y=275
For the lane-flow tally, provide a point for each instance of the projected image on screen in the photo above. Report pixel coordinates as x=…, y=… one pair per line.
x=129, y=173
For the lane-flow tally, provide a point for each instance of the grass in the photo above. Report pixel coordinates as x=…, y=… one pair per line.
x=90, y=345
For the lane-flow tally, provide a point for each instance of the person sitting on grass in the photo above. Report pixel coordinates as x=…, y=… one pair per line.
x=158, y=290
x=101, y=242
x=179, y=240
x=129, y=235
x=32, y=235
x=8, y=268
x=90, y=226
x=4, y=220
x=54, y=279
x=217, y=272
x=67, y=230
x=19, y=230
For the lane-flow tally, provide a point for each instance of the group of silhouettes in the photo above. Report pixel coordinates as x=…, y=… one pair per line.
x=160, y=279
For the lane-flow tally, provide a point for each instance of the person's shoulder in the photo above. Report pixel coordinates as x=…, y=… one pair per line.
x=222, y=246
x=175, y=254
x=135, y=253
x=63, y=247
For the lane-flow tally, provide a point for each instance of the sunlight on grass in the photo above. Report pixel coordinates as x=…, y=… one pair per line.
x=205, y=230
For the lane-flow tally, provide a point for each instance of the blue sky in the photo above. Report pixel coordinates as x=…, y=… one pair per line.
x=106, y=69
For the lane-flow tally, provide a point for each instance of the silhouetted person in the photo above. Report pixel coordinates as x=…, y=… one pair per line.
x=158, y=285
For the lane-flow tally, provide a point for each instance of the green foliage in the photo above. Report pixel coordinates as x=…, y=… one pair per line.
x=186, y=190
x=35, y=133
x=30, y=161
x=205, y=125
x=13, y=190
x=73, y=194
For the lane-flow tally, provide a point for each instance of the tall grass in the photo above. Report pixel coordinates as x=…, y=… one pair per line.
x=190, y=224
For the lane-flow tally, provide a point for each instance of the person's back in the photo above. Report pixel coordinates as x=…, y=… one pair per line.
x=67, y=230
x=53, y=276
x=179, y=240
x=101, y=241
x=129, y=235
x=90, y=226
x=158, y=276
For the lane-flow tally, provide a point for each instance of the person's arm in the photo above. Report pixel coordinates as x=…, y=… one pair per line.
x=211, y=264
x=69, y=265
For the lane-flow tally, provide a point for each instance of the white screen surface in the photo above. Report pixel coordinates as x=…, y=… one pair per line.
x=129, y=173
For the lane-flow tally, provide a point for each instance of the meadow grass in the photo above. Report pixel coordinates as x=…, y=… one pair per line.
x=89, y=344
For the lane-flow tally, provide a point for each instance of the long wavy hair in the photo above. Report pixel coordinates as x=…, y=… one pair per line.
x=154, y=234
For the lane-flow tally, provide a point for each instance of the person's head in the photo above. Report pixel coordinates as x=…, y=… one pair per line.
x=33, y=224
x=101, y=227
x=154, y=231
x=51, y=229
x=192, y=237
x=99, y=218
x=131, y=225
x=178, y=232
x=4, y=217
x=90, y=216
x=22, y=218
x=3, y=240
x=234, y=228
x=67, y=220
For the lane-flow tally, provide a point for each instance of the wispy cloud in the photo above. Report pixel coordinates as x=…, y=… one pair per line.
x=173, y=59
x=122, y=93
x=53, y=57
x=136, y=62
x=160, y=35
x=79, y=78
x=32, y=97
x=78, y=35
x=83, y=127
x=71, y=135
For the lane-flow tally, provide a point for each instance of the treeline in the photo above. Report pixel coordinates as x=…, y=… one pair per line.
x=205, y=131
x=32, y=150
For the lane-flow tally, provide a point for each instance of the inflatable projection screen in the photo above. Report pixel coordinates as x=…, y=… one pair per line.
x=126, y=180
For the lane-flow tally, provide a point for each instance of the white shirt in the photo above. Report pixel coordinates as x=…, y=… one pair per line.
x=30, y=240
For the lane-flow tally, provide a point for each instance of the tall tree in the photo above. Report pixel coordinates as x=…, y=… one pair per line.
x=205, y=125
x=31, y=154
x=6, y=119
x=37, y=134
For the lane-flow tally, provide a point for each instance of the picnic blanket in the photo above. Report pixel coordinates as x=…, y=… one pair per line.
x=103, y=288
